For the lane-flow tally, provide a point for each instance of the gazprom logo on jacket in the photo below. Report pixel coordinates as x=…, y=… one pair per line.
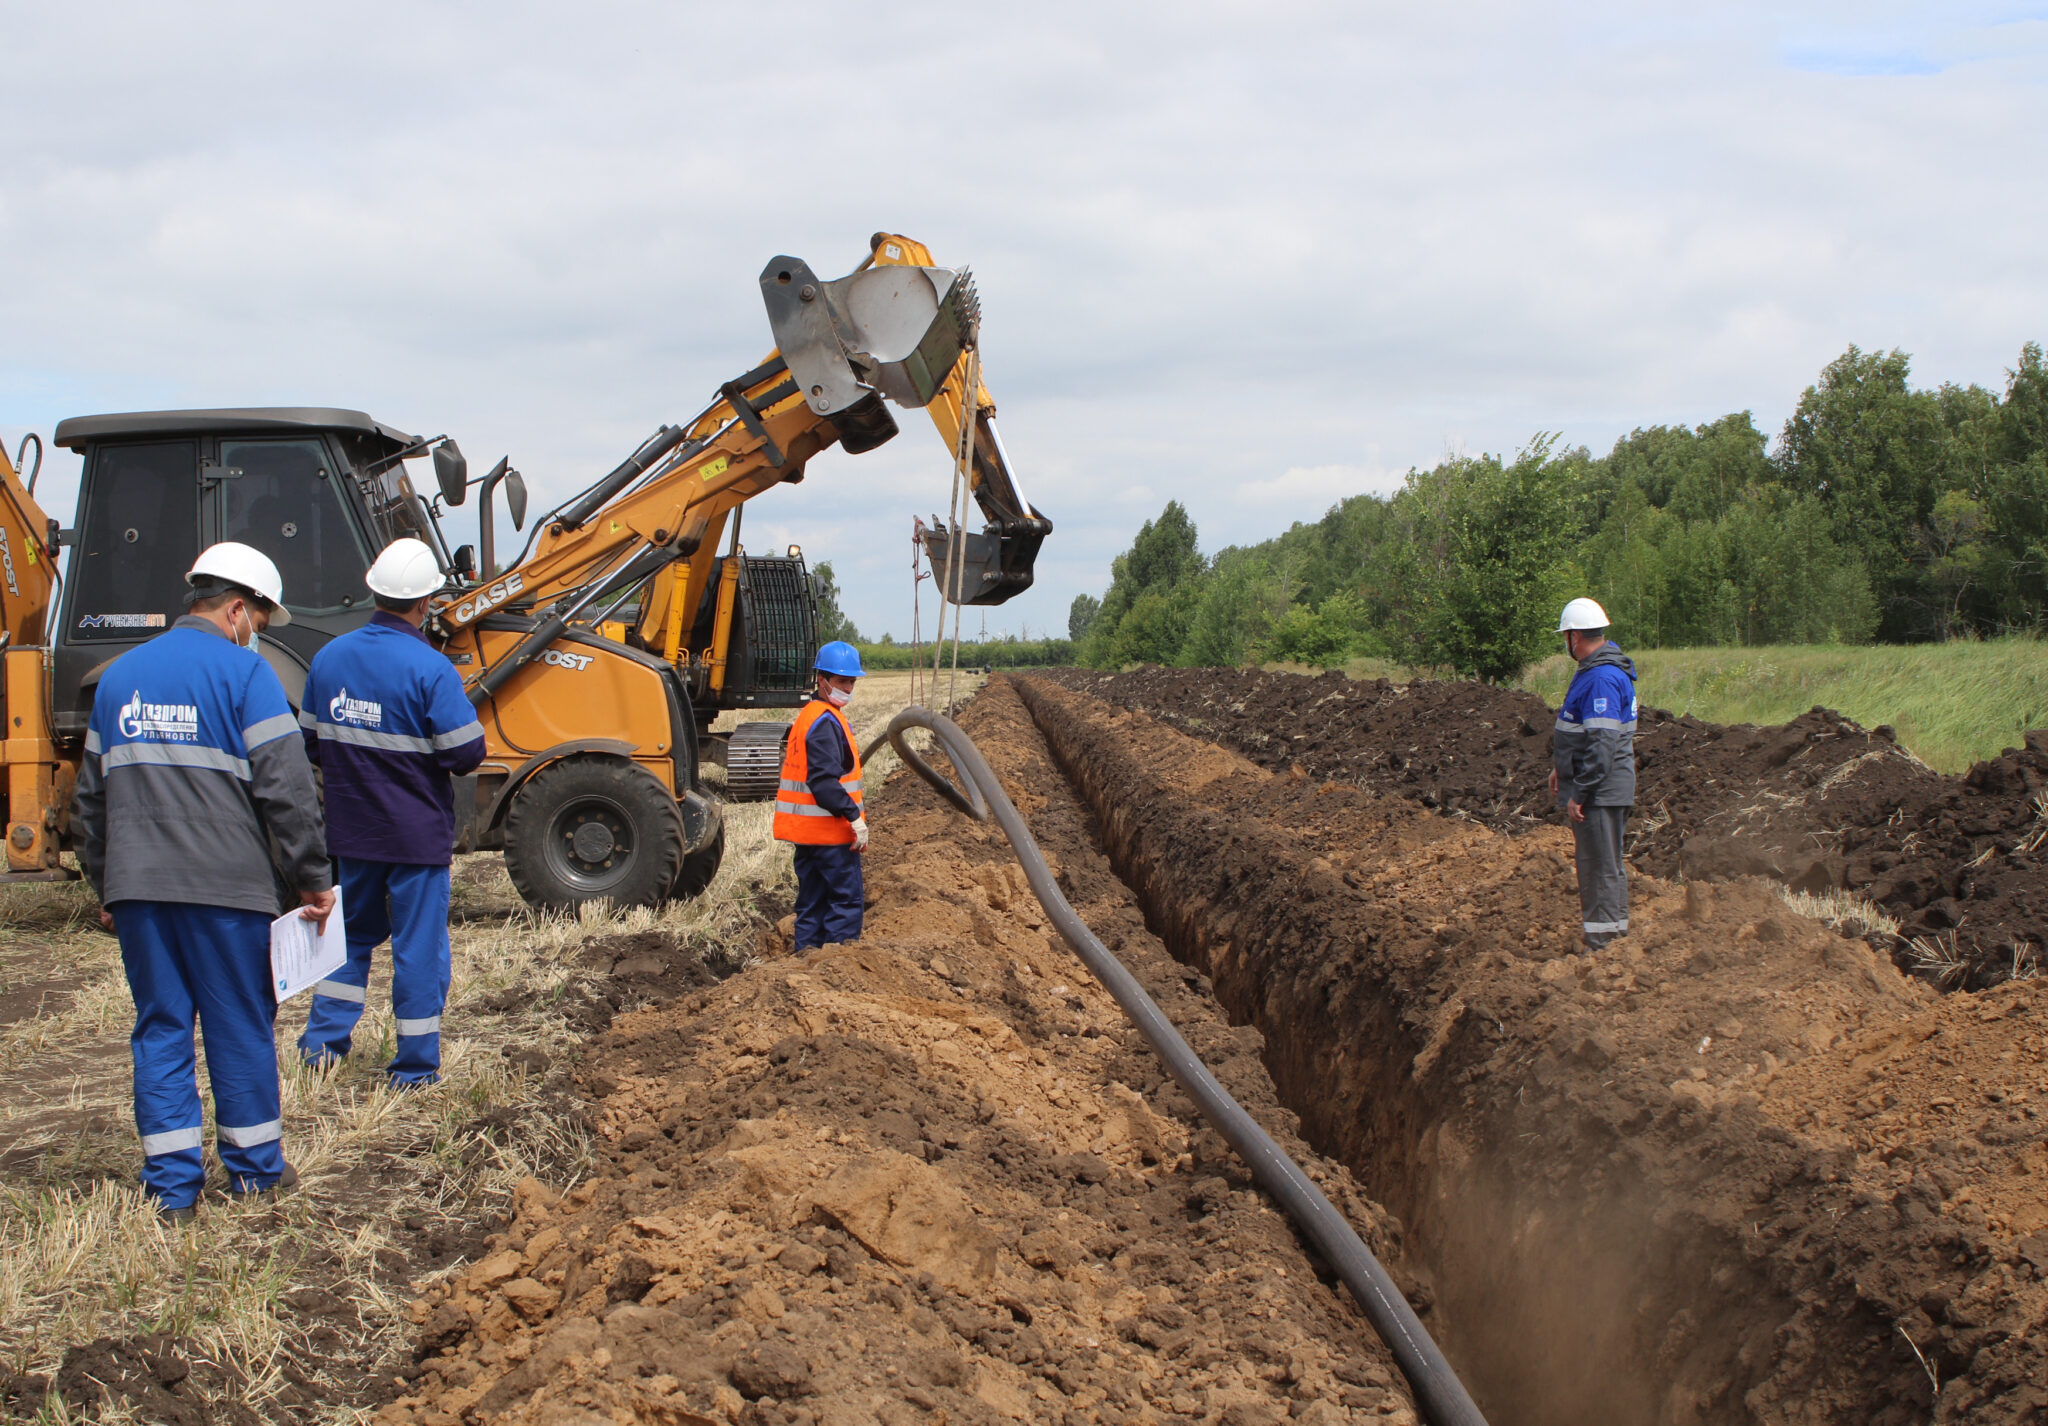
x=167, y=722
x=359, y=711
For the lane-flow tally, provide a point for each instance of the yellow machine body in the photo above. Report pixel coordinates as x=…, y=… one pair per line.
x=40, y=773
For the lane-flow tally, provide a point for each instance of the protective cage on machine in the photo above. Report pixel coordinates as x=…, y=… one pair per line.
x=774, y=640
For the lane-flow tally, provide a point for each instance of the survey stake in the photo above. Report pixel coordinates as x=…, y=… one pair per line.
x=301, y=954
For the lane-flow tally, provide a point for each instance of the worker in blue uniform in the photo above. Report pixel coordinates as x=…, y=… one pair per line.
x=192, y=772
x=819, y=806
x=386, y=718
x=1593, y=767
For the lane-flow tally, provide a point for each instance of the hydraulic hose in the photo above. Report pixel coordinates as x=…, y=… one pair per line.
x=1438, y=1391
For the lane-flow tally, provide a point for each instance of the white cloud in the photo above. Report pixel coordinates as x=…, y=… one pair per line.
x=1215, y=241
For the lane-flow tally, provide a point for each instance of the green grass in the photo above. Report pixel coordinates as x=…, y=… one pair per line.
x=1951, y=704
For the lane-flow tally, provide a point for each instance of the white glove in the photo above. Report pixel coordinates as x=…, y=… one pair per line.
x=860, y=834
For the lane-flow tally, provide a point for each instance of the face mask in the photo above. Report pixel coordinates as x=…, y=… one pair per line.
x=250, y=642
x=838, y=697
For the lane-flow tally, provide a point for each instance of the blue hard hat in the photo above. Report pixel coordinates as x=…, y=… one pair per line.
x=840, y=658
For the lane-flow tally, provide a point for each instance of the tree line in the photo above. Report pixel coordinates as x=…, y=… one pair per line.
x=1881, y=513
x=997, y=651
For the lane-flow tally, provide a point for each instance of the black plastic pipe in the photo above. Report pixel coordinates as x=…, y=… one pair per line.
x=1438, y=1391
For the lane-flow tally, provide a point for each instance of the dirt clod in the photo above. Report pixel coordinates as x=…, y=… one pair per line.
x=771, y=1369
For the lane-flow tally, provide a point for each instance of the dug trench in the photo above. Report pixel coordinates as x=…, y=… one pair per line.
x=1734, y=1168
x=927, y=1177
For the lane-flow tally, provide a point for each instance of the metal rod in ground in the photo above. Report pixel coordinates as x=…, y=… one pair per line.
x=970, y=410
x=1442, y=1397
x=945, y=579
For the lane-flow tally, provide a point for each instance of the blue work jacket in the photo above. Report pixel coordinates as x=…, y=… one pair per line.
x=191, y=773
x=1593, y=746
x=386, y=718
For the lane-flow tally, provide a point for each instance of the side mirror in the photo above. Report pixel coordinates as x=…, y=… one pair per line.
x=465, y=561
x=452, y=471
x=515, y=498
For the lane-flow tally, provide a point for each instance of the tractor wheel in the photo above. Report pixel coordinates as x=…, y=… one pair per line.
x=698, y=869
x=588, y=829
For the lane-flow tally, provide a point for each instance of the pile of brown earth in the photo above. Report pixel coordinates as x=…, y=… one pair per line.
x=1735, y=1168
x=930, y=1177
x=1818, y=803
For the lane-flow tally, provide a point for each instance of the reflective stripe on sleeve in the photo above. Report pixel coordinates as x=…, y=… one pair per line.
x=335, y=990
x=269, y=731
x=1564, y=725
x=171, y=1141
x=248, y=1136
x=427, y=1025
x=175, y=755
x=370, y=738
x=92, y=741
x=307, y=719
x=1602, y=928
x=468, y=733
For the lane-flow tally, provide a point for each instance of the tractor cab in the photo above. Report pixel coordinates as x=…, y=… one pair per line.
x=320, y=491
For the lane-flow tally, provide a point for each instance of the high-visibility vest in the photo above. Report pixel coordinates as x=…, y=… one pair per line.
x=798, y=817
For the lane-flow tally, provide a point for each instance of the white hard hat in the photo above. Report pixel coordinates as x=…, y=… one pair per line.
x=406, y=570
x=245, y=567
x=1582, y=614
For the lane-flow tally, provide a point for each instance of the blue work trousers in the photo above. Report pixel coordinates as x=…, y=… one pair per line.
x=407, y=904
x=828, y=895
x=212, y=962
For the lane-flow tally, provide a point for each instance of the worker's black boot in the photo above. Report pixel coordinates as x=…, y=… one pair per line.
x=286, y=1182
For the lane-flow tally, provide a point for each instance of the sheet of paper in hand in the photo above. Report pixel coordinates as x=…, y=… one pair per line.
x=301, y=955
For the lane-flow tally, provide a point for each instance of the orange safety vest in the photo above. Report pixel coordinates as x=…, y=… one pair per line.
x=798, y=817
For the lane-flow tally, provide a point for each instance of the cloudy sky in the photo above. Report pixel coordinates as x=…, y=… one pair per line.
x=1251, y=256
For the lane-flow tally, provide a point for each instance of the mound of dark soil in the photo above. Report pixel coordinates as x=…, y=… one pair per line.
x=150, y=1378
x=1816, y=803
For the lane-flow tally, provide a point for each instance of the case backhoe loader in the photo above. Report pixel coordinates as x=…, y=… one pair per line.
x=598, y=657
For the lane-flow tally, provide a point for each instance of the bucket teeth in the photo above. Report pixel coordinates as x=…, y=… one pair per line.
x=965, y=303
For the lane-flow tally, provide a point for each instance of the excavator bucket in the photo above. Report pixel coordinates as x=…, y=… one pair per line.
x=995, y=565
x=896, y=330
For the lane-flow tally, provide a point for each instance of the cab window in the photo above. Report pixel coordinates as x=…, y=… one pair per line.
x=287, y=503
x=136, y=539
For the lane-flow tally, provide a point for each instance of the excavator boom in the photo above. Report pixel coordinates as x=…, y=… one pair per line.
x=899, y=327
